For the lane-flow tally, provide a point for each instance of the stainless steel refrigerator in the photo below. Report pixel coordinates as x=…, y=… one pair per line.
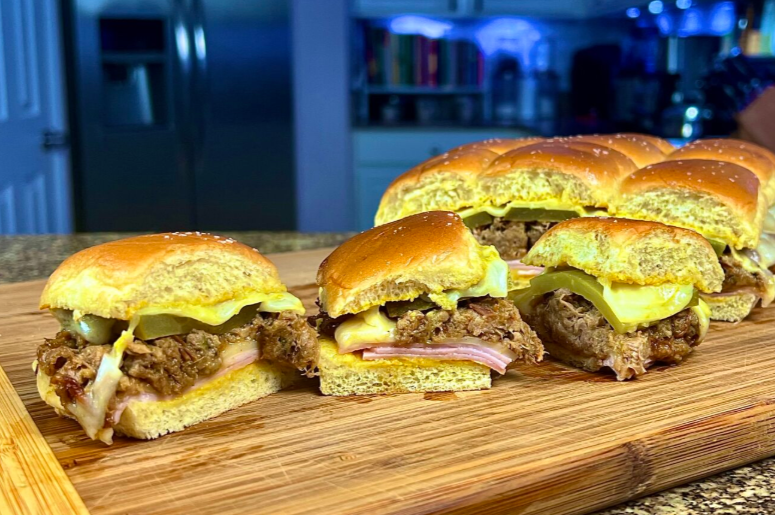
x=181, y=114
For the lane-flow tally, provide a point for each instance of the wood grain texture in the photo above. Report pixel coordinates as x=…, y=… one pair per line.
x=545, y=439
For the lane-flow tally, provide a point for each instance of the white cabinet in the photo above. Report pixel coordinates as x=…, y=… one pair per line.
x=381, y=155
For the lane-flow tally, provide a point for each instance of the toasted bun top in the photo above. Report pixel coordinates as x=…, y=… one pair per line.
x=753, y=157
x=719, y=200
x=116, y=279
x=630, y=251
x=447, y=182
x=497, y=145
x=643, y=150
x=571, y=170
x=424, y=253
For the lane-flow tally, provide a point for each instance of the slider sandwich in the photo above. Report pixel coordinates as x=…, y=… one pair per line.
x=161, y=332
x=417, y=305
x=510, y=200
x=619, y=293
x=723, y=202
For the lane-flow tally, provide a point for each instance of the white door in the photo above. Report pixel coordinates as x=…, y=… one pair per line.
x=34, y=170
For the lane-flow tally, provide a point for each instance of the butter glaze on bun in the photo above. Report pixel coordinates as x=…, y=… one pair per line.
x=571, y=171
x=116, y=279
x=424, y=253
x=630, y=251
x=717, y=199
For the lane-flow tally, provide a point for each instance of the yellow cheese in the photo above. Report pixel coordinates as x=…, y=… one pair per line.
x=370, y=326
x=220, y=313
x=494, y=283
x=636, y=304
x=500, y=211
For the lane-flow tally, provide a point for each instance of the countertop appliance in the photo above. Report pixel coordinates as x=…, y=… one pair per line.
x=181, y=114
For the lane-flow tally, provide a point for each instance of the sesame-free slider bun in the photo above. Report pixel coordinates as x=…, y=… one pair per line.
x=742, y=153
x=643, y=150
x=424, y=253
x=630, y=251
x=116, y=279
x=570, y=171
x=717, y=199
x=447, y=182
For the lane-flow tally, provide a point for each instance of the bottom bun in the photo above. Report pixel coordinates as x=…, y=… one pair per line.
x=150, y=419
x=730, y=308
x=348, y=374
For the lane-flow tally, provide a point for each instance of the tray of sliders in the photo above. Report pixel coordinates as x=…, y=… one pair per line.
x=532, y=326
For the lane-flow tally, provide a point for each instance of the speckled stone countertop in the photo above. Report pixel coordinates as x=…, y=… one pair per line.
x=747, y=490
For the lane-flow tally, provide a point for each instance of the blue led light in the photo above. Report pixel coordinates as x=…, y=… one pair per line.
x=722, y=18
x=427, y=27
x=683, y=4
x=513, y=35
x=633, y=12
x=692, y=113
x=665, y=24
x=691, y=23
x=656, y=6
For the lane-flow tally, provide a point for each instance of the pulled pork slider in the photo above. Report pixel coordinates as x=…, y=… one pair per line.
x=515, y=190
x=164, y=331
x=723, y=202
x=417, y=305
x=619, y=293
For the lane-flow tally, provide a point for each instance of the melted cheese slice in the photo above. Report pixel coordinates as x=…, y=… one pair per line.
x=494, y=283
x=500, y=211
x=370, y=326
x=219, y=313
x=702, y=310
x=636, y=304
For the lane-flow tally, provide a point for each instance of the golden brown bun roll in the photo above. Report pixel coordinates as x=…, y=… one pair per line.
x=424, y=253
x=717, y=199
x=115, y=279
x=730, y=307
x=447, y=182
x=630, y=251
x=643, y=150
x=753, y=157
x=570, y=171
x=497, y=145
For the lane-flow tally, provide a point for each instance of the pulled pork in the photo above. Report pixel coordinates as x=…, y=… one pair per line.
x=735, y=276
x=491, y=320
x=574, y=331
x=511, y=239
x=170, y=365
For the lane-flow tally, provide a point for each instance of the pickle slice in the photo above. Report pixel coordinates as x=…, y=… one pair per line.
x=718, y=246
x=151, y=327
x=479, y=219
x=539, y=215
x=93, y=329
x=399, y=308
x=576, y=281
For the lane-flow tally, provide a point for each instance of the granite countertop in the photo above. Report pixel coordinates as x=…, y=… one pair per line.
x=747, y=490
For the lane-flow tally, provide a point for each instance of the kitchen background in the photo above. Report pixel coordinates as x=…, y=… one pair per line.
x=151, y=115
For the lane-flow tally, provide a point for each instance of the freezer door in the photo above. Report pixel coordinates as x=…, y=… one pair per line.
x=243, y=137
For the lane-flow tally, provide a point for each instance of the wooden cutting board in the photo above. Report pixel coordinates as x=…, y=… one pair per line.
x=545, y=439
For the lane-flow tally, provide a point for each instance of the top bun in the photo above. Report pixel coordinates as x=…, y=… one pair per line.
x=116, y=279
x=497, y=145
x=643, y=150
x=753, y=157
x=717, y=199
x=447, y=182
x=630, y=251
x=424, y=253
x=569, y=170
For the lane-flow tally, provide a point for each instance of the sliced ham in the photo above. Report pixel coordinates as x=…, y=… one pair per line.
x=481, y=352
x=230, y=364
x=524, y=270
